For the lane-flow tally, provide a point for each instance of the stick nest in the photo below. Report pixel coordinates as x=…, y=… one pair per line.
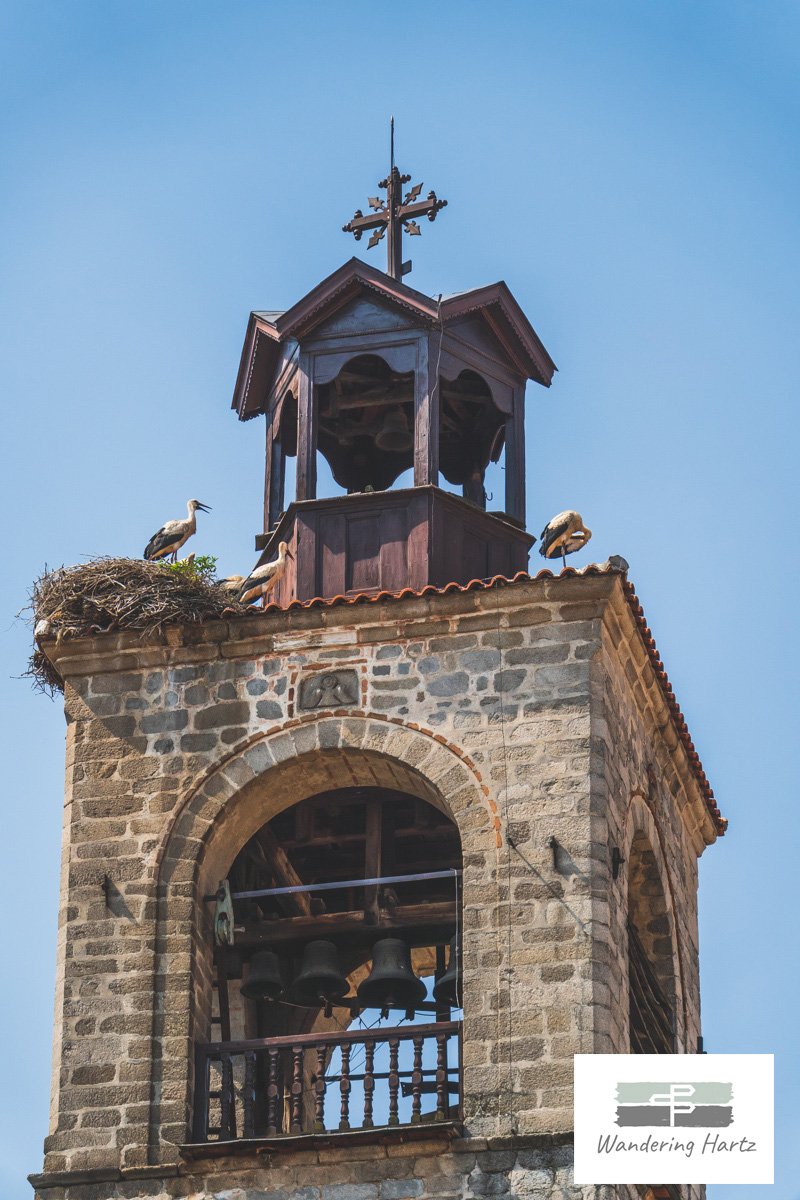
x=111, y=594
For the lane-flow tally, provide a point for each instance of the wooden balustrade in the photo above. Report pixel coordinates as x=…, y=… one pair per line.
x=283, y=1087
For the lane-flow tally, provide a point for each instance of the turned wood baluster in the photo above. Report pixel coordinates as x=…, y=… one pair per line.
x=296, y=1122
x=272, y=1093
x=442, y=1098
x=369, y=1082
x=344, y=1087
x=319, y=1090
x=394, y=1081
x=416, y=1083
x=249, y=1092
x=228, y=1114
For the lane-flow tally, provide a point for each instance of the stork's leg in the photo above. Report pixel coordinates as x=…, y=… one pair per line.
x=563, y=556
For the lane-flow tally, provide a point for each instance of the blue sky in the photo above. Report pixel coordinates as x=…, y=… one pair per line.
x=630, y=169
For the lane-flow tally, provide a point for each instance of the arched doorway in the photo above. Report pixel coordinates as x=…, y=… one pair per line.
x=363, y=881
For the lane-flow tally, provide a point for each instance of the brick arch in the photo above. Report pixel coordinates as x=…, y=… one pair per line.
x=651, y=905
x=221, y=813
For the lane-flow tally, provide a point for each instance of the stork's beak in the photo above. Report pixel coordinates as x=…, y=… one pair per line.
x=289, y=554
x=203, y=507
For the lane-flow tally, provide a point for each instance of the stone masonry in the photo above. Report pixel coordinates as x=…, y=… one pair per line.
x=530, y=710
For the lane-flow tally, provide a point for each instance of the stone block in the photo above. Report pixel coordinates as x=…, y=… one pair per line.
x=227, y=713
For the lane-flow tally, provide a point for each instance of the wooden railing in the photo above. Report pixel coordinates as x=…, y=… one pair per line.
x=321, y=1083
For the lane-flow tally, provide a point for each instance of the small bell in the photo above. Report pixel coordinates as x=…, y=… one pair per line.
x=391, y=983
x=394, y=435
x=447, y=989
x=321, y=980
x=264, y=977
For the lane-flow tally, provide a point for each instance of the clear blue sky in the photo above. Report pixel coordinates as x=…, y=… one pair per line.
x=630, y=169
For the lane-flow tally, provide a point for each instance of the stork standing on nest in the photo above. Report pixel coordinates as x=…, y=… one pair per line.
x=262, y=580
x=168, y=540
x=565, y=534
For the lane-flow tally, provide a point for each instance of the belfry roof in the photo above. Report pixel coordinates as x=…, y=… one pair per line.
x=271, y=332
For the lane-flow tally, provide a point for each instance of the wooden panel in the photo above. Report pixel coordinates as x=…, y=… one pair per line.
x=418, y=545
x=332, y=550
x=392, y=540
x=401, y=358
x=393, y=548
x=363, y=552
x=307, y=576
x=362, y=316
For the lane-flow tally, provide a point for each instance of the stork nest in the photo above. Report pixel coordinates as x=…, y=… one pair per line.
x=111, y=594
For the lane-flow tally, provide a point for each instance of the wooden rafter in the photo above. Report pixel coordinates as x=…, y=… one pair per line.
x=424, y=916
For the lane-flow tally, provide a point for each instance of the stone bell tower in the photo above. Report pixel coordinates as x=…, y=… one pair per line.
x=348, y=880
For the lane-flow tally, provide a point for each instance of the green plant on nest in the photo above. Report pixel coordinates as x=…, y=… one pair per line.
x=202, y=567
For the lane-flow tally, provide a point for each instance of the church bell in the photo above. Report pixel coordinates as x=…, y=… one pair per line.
x=264, y=977
x=321, y=979
x=395, y=434
x=391, y=983
x=447, y=989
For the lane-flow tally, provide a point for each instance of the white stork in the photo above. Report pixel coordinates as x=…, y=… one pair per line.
x=565, y=534
x=231, y=583
x=171, y=536
x=262, y=580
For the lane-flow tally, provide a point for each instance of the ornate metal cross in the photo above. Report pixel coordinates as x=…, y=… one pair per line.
x=394, y=215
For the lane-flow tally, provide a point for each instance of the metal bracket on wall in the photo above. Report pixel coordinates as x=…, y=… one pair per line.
x=616, y=861
x=223, y=916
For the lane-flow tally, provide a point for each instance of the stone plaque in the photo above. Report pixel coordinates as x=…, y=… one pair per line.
x=331, y=689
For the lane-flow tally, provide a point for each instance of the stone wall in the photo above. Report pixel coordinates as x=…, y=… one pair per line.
x=466, y=1169
x=526, y=711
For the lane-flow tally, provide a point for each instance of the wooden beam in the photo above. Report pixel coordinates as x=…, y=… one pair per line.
x=306, y=433
x=283, y=871
x=425, y=916
x=515, y=457
x=426, y=413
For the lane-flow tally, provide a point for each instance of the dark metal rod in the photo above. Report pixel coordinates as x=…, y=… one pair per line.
x=385, y=1074
x=344, y=883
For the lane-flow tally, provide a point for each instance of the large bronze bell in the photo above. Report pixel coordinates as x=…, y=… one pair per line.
x=321, y=980
x=264, y=977
x=447, y=989
x=391, y=983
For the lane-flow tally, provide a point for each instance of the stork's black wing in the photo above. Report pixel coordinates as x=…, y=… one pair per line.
x=161, y=543
x=551, y=532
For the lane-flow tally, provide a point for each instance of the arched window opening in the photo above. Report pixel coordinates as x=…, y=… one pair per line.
x=651, y=976
x=336, y=1001
x=365, y=421
x=472, y=436
x=282, y=464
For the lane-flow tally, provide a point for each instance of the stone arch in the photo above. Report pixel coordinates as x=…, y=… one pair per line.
x=222, y=812
x=650, y=904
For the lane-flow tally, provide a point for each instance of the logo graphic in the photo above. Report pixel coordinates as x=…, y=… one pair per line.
x=688, y=1118
x=701, y=1104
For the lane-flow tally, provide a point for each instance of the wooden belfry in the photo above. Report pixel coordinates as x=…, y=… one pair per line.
x=380, y=380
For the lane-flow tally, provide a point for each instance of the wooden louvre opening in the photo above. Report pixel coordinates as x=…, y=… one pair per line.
x=652, y=1020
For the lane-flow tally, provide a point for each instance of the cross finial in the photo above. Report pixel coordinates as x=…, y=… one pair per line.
x=394, y=214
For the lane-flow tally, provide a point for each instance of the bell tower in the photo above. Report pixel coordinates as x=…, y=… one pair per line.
x=350, y=879
x=383, y=384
